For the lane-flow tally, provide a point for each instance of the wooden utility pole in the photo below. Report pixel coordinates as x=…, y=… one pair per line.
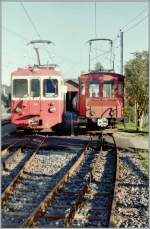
x=121, y=52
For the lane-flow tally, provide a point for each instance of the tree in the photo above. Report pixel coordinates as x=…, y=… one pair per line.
x=99, y=67
x=136, y=71
x=4, y=99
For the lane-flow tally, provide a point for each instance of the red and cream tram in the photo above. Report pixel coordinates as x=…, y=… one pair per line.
x=37, y=97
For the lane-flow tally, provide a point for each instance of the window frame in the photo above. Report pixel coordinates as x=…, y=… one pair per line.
x=110, y=82
x=43, y=91
x=122, y=89
x=30, y=80
x=82, y=89
x=94, y=82
x=19, y=78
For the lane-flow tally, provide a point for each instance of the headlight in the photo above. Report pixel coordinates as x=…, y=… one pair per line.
x=92, y=113
x=52, y=109
x=18, y=109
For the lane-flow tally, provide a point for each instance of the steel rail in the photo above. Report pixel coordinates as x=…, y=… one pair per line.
x=69, y=219
x=79, y=203
x=3, y=151
x=41, y=209
x=11, y=155
x=19, y=176
x=112, y=216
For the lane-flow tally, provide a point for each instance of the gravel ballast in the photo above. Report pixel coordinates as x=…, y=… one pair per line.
x=47, y=168
x=133, y=196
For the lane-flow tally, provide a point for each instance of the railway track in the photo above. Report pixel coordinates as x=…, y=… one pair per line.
x=14, y=163
x=82, y=197
x=71, y=202
x=19, y=197
x=13, y=158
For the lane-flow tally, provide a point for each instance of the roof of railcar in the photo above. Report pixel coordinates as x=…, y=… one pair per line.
x=37, y=71
x=99, y=73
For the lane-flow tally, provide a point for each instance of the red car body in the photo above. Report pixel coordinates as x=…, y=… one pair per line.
x=37, y=97
x=101, y=97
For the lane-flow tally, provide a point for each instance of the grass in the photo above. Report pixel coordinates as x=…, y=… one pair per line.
x=131, y=128
x=144, y=158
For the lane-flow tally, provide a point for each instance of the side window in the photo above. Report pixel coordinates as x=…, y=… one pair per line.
x=108, y=90
x=82, y=88
x=120, y=88
x=94, y=88
x=50, y=87
x=35, y=88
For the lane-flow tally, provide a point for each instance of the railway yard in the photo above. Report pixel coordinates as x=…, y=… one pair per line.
x=74, y=115
x=86, y=180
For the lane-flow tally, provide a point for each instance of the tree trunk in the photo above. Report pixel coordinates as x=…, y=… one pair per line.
x=141, y=121
x=136, y=117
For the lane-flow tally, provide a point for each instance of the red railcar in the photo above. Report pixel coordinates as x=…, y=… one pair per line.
x=101, y=98
x=38, y=96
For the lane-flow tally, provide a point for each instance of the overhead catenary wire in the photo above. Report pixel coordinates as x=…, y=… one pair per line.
x=133, y=19
x=15, y=33
x=38, y=34
x=34, y=27
x=95, y=19
x=136, y=24
x=131, y=27
x=27, y=39
x=30, y=19
x=130, y=22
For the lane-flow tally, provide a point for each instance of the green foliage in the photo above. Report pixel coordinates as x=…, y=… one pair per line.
x=129, y=111
x=136, y=71
x=131, y=128
x=4, y=98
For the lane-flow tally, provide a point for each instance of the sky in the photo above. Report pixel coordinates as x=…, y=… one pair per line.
x=69, y=25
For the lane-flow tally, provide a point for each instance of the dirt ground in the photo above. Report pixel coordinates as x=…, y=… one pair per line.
x=123, y=139
x=132, y=140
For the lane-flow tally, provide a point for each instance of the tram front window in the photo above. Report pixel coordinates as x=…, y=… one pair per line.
x=94, y=88
x=35, y=88
x=20, y=88
x=108, y=89
x=50, y=88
